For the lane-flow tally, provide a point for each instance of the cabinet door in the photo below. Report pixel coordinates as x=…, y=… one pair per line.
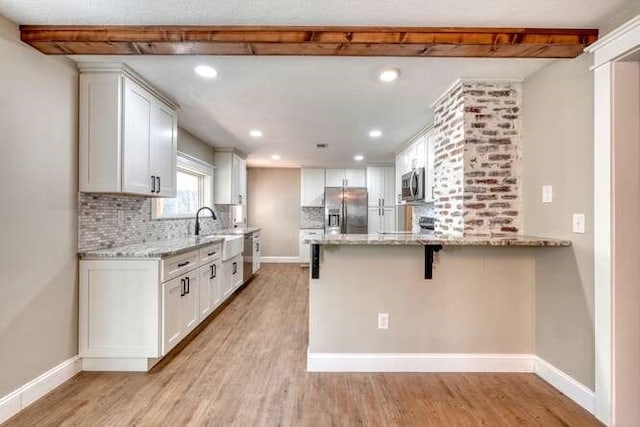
x=430, y=166
x=312, y=189
x=172, y=330
x=334, y=177
x=388, y=193
x=305, y=250
x=235, y=180
x=237, y=272
x=205, y=297
x=373, y=220
x=164, y=146
x=375, y=185
x=215, y=274
x=190, y=317
x=241, y=180
x=419, y=152
x=136, y=168
x=356, y=177
x=223, y=178
x=388, y=219
x=256, y=254
x=226, y=282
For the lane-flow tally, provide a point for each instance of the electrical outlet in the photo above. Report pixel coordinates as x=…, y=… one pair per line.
x=383, y=320
x=547, y=194
x=120, y=217
x=578, y=223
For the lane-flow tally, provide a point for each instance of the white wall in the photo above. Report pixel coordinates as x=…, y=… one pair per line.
x=189, y=144
x=558, y=151
x=38, y=171
x=273, y=204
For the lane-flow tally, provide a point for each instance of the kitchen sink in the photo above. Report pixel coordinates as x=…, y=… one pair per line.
x=232, y=246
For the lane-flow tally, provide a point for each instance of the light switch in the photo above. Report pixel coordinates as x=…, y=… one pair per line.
x=578, y=223
x=547, y=194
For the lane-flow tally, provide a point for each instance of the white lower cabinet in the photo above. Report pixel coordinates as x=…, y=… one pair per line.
x=305, y=248
x=133, y=312
x=232, y=275
x=172, y=330
x=381, y=220
x=209, y=296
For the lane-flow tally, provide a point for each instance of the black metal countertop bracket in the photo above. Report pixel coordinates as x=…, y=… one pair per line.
x=315, y=261
x=429, y=250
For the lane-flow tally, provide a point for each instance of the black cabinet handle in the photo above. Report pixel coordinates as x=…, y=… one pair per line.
x=188, y=284
x=257, y=246
x=212, y=253
x=215, y=271
x=182, y=264
x=153, y=184
x=158, y=189
x=235, y=267
x=182, y=289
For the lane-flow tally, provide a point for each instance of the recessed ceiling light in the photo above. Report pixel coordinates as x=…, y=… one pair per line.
x=255, y=133
x=206, y=71
x=389, y=75
x=275, y=157
x=375, y=133
x=358, y=157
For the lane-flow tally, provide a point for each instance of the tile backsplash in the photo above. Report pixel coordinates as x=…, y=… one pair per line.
x=98, y=221
x=427, y=209
x=312, y=217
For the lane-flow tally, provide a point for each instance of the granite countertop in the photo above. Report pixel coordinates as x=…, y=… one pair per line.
x=235, y=231
x=155, y=249
x=433, y=239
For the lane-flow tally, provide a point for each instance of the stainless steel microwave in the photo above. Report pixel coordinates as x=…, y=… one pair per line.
x=413, y=185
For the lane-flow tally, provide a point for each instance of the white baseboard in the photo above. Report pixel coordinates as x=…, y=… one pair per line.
x=573, y=389
x=418, y=362
x=24, y=396
x=280, y=259
x=118, y=364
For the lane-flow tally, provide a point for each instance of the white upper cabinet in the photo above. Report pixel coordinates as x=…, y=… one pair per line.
x=430, y=141
x=380, y=185
x=355, y=177
x=230, y=179
x=334, y=178
x=346, y=178
x=418, y=154
x=312, y=188
x=164, y=124
x=128, y=134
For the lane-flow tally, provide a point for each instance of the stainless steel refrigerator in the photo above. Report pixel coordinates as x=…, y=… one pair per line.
x=345, y=210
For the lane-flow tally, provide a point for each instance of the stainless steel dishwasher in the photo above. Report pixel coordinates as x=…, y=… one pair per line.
x=251, y=255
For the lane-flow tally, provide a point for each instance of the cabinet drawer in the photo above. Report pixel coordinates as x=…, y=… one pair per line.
x=179, y=264
x=210, y=253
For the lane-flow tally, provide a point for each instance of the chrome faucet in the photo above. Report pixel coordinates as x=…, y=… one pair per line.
x=213, y=215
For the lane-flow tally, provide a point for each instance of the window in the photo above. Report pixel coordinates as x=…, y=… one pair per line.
x=194, y=185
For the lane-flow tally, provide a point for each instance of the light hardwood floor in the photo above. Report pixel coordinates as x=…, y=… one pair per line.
x=247, y=367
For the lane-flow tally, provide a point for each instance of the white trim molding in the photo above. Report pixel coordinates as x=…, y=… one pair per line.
x=614, y=46
x=566, y=384
x=619, y=42
x=24, y=396
x=280, y=259
x=418, y=362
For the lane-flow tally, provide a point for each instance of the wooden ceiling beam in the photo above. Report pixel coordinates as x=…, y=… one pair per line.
x=314, y=41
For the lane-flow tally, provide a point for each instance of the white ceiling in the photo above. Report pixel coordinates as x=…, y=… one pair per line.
x=543, y=13
x=300, y=101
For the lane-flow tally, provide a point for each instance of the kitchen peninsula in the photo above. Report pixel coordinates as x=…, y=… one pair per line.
x=371, y=308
